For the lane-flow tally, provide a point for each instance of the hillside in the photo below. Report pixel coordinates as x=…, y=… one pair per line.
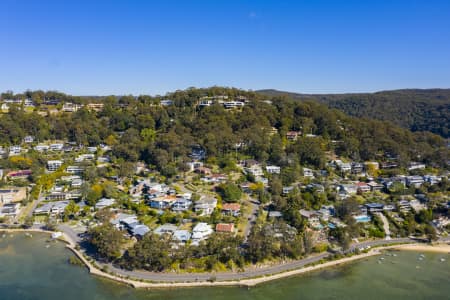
x=414, y=109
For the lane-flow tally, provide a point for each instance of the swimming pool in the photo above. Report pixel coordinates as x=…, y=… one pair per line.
x=362, y=219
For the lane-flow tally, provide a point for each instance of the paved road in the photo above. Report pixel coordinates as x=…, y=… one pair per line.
x=385, y=225
x=254, y=207
x=223, y=276
x=70, y=232
x=250, y=273
x=35, y=203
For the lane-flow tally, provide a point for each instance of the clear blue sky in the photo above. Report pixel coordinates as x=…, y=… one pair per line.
x=316, y=46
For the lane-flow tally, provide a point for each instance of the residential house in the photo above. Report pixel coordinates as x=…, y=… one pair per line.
x=10, y=209
x=95, y=106
x=42, y=147
x=292, y=135
x=431, y=179
x=233, y=104
x=104, y=202
x=312, y=217
x=59, y=207
x=415, y=181
x=139, y=230
x=44, y=209
x=274, y=214
x=8, y=195
x=75, y=170
x=166, y=229
x=255, y=170
x=308, y=173
x=403, y=206
x=287, y=189
x=389, y=165
x=347, y=189
x=201, y=232
x=273, y=169
x=56, y=196
x=28, y=139
x=162, y=202
x=71, y=107
x=375, y=207
x=344, y=167
x=225, y=227
x=53, y=165
x=19, y=174
x=194, y=165
x=118, y=220
x=363, y=187
x=416, y=166
x=181, y=204
x=181, y=236
x=205, y=206
x=166, y=102
x=56, y=147
x=15, y=150
x=315, y=187
x=231, y=209
x=357, y=168
x=374, y=186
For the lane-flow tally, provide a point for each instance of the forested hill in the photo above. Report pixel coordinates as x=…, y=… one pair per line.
x=225, y=122
x=415, y=109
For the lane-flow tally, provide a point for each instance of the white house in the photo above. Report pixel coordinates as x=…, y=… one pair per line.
x=41, y=147
x=416, y=166
x=201, y=232
x=56, y=147
x=273, y=169
x=74, y=169
x=14, y=150
x=205, y=206
x=308, y=173
x=104, y=202
x=53, y=165
x=255, y=170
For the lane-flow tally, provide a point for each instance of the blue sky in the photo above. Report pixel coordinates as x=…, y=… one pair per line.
x=151, y=47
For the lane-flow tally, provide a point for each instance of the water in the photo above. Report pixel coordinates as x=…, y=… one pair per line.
x=30, y=270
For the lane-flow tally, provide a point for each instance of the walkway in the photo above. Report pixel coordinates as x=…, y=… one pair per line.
x=385, y=225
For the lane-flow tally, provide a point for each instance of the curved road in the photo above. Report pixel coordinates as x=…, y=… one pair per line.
x=226, y=276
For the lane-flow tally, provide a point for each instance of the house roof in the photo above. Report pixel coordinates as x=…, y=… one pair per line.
x=166, y=228
x=231, y=206
x=224, y=227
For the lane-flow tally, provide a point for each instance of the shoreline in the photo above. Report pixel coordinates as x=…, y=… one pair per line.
x=247, y=282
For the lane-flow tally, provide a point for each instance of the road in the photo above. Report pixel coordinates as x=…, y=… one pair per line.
x=385, y=225
x=250, y=273
x=254, y=207
x=224, y=276
x=35, y=203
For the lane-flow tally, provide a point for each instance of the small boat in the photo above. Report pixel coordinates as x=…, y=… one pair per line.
x=47, y=246
x=442, y=259
x=420, y=258
x=381, y=258
x=4, y=236
x=395, y=255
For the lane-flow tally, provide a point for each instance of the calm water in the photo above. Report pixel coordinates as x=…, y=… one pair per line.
x=30, y=270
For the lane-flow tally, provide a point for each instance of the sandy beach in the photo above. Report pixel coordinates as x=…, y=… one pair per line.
x=438, y=248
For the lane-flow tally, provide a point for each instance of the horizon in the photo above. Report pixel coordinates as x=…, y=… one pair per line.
x=226, y=87
x=120, y=48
